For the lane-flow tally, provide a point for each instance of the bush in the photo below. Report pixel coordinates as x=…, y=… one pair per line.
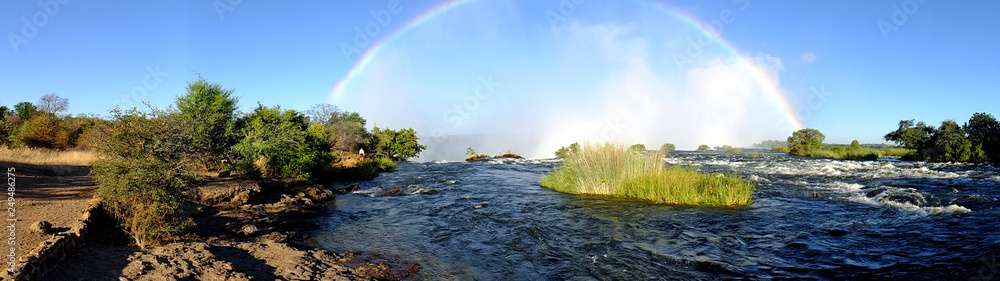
x=565, y=152
x=637, y=147
x=667, y=147
x=397, y=144
x=779, y=148
x=278, y=143
x=616, y=171
x=209, y=111
x=472, y=155
x=142, y=174
x=366, y=169
x=704, y=147
x=803, y=141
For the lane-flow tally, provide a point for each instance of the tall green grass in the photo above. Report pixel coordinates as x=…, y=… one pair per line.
x=614, y=170
x=856, y=153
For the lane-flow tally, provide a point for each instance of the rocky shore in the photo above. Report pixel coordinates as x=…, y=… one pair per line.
x=246, y=229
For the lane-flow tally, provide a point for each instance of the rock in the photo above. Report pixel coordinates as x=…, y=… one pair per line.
x=346, y=190
x=236, y=194
x=390, y=192
x=319, y=194
x=294, y=206
x=42, y=227
x=248, y=229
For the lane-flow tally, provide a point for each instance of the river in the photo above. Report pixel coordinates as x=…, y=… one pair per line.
x=811, y=219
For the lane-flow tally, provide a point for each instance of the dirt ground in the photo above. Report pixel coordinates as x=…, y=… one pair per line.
x=56, y=194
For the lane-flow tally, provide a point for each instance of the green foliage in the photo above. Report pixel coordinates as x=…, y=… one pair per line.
x=637, y=147
x=43, y=132
x=566, y=152
x=704, y=147
x=210, y=111
x=803, y=141
x=855, y=144
x=398, y=145
x=667, y=147
x=143, y=174
x=732, y=150
x=25, y=110
x=613, y=170
x=978, y=155
x=950, y=144
x=366, y=169
x=276, y=143
x=984, y=132
x=345, y=131
x=469, y=151
x=910, y=136
x=779, y=148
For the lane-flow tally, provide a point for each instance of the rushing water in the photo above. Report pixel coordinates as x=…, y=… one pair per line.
x=811, y=219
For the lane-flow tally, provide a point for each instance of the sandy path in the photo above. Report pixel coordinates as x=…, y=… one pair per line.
x=57, y=194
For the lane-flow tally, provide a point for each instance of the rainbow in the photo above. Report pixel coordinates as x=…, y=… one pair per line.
x=768, y=84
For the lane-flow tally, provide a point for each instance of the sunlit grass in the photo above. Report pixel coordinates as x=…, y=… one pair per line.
x=46, y=157
x=614, y=170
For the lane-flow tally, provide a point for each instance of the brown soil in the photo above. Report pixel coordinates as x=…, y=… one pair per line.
x=56, y=194
x=247, y=230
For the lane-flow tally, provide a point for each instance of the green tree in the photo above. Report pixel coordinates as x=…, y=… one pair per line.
x=668, y=147
x=470, y=152
x=209, y=110
x=25, y=110
x=855, y=144
x=984, y=133
x=276, y=143
x=704, y=147
x=566, y=152
x=804, y=141
x=397, y=144
x=637, y=147
x=950, y=144
x=912, y=137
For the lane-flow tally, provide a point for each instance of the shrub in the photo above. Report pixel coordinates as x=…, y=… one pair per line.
x=278, y=143
x=613, y=170
x=637, y=147
x=366, y=169
x=397, y=144
x=779, y=148
x=667, y=147
x=704, y=147
x=472, y=155
x=803, y=141
x=209, y=111
x=733, y=150
x=565, y=152
x=142, y=174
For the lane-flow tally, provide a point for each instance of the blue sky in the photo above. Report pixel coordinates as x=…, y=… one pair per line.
x=606, y=72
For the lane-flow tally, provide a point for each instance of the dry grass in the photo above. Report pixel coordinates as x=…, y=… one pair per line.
x=46, y=157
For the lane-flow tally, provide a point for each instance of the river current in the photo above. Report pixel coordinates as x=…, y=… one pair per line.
x=811, y=219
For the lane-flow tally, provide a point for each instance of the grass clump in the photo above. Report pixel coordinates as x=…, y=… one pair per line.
x=615, y=170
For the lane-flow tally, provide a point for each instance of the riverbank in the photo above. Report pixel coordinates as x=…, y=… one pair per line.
x=247, y=229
